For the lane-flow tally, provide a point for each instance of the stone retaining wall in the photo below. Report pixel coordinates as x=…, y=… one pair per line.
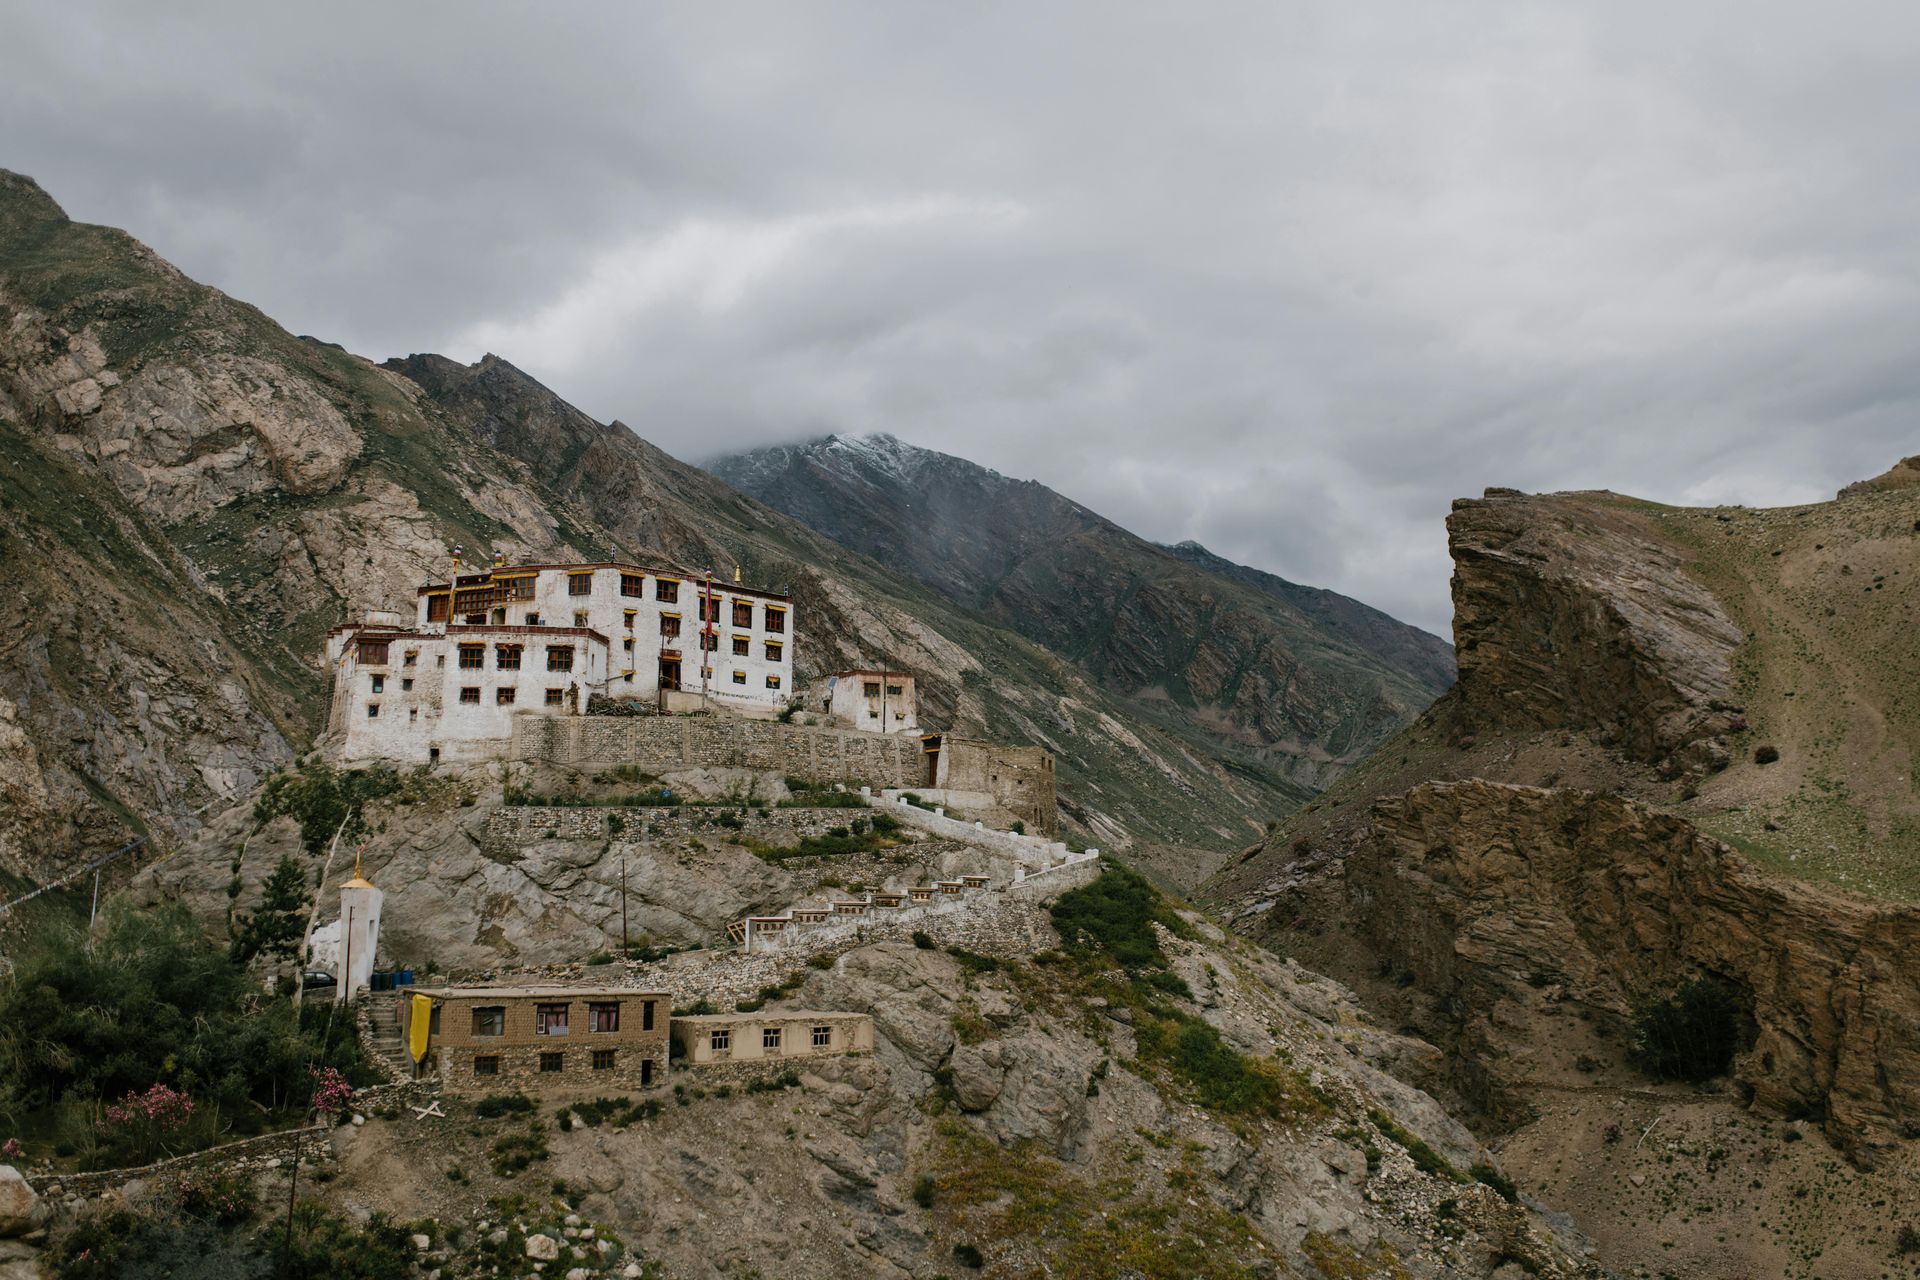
x=267, y=1150
x=666, y=744
x=1032, y=852
x=512, y=826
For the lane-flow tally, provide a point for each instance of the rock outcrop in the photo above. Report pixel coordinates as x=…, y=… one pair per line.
x=1499, y=898
x=21, y=1209
x=1571, y=611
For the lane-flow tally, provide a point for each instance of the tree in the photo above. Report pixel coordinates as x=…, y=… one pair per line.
x=276, y=926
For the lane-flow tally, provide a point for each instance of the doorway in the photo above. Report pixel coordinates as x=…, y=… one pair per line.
x=669, y=673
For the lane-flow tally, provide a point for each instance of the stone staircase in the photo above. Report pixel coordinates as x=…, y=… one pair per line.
x=384, y=1041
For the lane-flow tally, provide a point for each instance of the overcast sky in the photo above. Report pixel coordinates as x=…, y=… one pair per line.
x=1284, y=278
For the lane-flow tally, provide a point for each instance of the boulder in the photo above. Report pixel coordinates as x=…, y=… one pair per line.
x=21, y=1210
x=542, y=1248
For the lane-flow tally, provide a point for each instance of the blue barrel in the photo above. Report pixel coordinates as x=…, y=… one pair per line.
x=381, y=981
x=406, y=977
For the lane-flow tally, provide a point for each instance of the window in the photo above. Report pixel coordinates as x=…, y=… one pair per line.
x=550, y=1019
x=646, y=1071
x=822, y=1037
x=470, y=693
x=603, y=1016
x=579, y=617
x=893, y=691
x=439, y=659
x=742, y=614
x=473, y=657
x=373, y=711
x=669, y=624
x=774, y=650
x=559, y=657
x=413, y=713
x=720, y=1040
x=666, y=589
x=437, y=608
x=490, y=1020
x=507, y=657
x=486, y=1065
x=556, y=697
x=552, y=1062
x=770, y=1039
x=646, y=1015
x=520, y=588
x=773, y=682
x=873, y=688
x=503, y=697
x=413, y=656
x=709, y=609
x=627, y=644
x=603, y=1059
x=475, y=619
x=742, y=646
x=627, y=614
x=634, y=585
x=709, y=641
x=406, y=686
x=776, y=619
x=739, y=677
x=579, y=584
x=533, y=619
x=373, y=652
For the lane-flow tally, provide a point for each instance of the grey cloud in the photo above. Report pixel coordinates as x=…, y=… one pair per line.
x=1282, y=278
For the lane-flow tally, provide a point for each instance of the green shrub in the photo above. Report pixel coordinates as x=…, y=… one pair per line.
x=514, y=1152
x=969, y=1256
x=1115, y=915
x=1221, y=1079
x=1424, y=1157
x=698, y=1007
x=320, y=800
x=504, y=1104
x=1691, y=1033
x=972, y=961
x=923, y=1188
x=922, y=940
x=1500, y=1182
x=600, y=957
x=820, y=960
x=749, y=1006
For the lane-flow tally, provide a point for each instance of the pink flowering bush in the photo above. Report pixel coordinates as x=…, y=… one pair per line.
x=11, y=1149
x=139, y=1124
x=332, y=1095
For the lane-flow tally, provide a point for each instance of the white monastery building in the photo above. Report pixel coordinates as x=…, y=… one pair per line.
x=544, y=639
x=875, y=701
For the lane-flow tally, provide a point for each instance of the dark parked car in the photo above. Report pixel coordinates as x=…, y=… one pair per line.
x=316, y=978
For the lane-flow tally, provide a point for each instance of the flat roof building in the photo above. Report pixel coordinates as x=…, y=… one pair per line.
x=497, y=1039
x=769, y=1035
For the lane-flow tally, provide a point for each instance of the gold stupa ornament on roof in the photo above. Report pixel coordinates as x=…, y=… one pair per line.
x=359, y=881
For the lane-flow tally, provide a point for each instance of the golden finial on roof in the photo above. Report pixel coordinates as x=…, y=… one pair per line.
x=359, y=881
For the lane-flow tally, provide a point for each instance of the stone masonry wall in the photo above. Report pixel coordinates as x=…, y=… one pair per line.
x=664, y=744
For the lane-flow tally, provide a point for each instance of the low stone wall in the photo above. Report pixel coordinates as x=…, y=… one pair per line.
x=513, y=826
x=267, y=1150
x=1032, y=852
x=665, y=744
x=1050, y=882
x=708, y=1075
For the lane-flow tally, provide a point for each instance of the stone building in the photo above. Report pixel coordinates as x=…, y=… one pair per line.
x=872, y=701
x=769, y=1035
x=497, y=1039
x=485, y=649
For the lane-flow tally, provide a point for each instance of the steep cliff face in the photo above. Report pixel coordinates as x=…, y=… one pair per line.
x=1574, y=611
x=1509, y=904
x=1303, y=682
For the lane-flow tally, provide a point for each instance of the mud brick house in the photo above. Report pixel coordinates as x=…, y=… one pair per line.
x=711, y=1038
x=496, y=1039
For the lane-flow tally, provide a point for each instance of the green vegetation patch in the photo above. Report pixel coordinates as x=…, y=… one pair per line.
x=323, y=800
x=1691, y=1032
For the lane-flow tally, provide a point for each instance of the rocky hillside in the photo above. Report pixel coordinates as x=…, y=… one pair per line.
x=1304, y=680
x=192, y=495
x=1679, y=749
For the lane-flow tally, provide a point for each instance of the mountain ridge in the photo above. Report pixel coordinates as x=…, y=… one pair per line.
x=1303, y=678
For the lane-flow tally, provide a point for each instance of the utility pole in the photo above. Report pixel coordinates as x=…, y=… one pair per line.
x=94, y=914
x=625, y=950
x=706, y=636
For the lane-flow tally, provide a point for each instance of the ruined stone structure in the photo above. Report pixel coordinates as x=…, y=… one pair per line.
x=497, y=1039
x=488, y=650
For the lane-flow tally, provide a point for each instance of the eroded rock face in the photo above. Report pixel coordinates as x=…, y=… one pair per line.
x=1488, y=893
x=1573, y=612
